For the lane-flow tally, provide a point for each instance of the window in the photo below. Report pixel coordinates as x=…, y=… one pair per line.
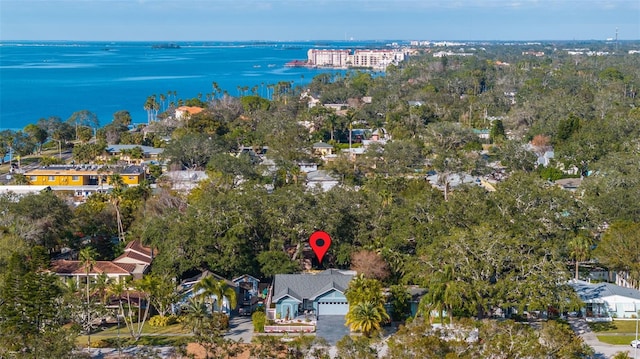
x=75, y=178
x=132, y=177
x=33, y=178
x=52, y=178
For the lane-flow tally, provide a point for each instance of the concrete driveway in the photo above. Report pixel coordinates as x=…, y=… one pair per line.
x=240, y=328
x=331, y=328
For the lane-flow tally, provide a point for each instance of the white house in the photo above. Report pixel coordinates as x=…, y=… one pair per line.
x=184, y=180
x=321, y=179
x=604, y=301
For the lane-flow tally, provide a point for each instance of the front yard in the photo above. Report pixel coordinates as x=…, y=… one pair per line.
x=617, y=332
x=170, y=335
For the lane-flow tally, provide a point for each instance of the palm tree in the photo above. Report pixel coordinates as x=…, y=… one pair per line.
x=117, y=289
x=216, y=89
x=218, y=288
x=116, y=198
x=444, y=294
x=362, y=289
x=151, y=106
x=580, y=250
x=163, y=98
x=366, y=317
x=196, y=314
x=87, y=258
x=101, y=287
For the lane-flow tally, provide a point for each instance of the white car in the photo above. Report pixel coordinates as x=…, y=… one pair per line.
x=635, y=343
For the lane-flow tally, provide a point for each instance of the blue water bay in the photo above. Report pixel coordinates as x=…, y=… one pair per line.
x=39, y=80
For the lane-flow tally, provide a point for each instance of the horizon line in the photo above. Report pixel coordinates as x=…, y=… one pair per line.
x=317, y=40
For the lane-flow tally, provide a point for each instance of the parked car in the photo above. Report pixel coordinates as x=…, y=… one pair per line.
x=635, y=343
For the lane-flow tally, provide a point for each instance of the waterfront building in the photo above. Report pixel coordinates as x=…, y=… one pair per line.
x=184, y=112
x=328, y=58
x=377, y=59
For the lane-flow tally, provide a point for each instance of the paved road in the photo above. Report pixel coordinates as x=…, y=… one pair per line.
x=602, y=350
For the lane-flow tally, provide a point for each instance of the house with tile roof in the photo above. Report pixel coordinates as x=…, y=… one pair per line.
x=134, y=262
x=184, y=112
x=137, y=254
x=311, y=293
x=76, y=269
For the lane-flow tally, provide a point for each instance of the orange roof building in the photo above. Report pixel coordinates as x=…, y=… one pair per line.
x=187, y=111
x=134, y=262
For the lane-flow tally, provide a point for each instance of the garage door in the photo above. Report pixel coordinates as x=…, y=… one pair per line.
x=333, y=308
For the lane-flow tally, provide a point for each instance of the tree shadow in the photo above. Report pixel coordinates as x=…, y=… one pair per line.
x=602, y=326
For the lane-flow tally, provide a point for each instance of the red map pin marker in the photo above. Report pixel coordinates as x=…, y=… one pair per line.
x=320, y=241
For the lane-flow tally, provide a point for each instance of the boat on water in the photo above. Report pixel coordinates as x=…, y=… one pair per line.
x=271, y=65
x=256, y=66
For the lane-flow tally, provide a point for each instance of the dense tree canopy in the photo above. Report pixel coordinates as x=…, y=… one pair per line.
x=474, y=248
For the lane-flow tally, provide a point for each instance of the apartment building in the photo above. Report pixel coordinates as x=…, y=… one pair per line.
x=84, y=175
x=369, y=58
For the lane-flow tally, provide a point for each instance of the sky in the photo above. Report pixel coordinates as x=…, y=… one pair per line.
x=299, y=20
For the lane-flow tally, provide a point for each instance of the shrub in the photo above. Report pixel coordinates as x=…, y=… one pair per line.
x=550, y=173
x=103, y=343
x=221, y=320
x=159, y=321
x=258, y=319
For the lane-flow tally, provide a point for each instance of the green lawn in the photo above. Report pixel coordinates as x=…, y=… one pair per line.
x=617, y=332
x=616, y=326
x=169, y=335
x=616, y=339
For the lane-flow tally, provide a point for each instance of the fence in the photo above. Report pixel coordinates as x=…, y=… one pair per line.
x=289, y=328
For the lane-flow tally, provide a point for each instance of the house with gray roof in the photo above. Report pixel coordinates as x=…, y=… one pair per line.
x=322, y=148
x=321, y=179
x=120, y=152
x=311, y=293
x=606, y=300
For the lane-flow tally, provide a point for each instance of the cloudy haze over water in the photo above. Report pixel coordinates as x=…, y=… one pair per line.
x=285, y=20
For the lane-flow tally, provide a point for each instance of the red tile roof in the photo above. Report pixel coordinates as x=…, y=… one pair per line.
x=138, y=247
x=64, y=266
x=135, y=256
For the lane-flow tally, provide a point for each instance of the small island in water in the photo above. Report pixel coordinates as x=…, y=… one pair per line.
x=170, y=45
